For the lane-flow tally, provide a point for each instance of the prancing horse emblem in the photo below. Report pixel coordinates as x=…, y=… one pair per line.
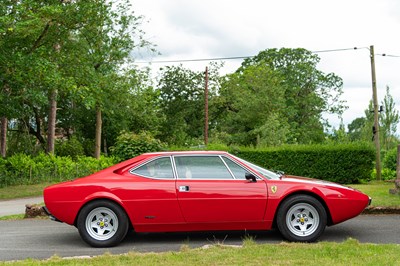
x=274, y=189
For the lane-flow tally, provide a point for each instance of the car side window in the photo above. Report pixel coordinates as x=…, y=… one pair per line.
x=201, y=167
x=158, y=168
x=238, y=171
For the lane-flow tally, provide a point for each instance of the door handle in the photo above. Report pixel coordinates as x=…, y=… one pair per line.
x=183, y=188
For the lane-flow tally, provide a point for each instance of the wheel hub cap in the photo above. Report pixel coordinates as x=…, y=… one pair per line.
x=302, y=219
x=101, y=223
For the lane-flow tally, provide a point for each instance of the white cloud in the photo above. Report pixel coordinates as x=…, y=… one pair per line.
x=194, y=29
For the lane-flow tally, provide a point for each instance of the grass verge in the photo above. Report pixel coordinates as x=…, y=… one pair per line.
x=379, y=192
x=350, y=252
x=22, y=191
x=12, y=217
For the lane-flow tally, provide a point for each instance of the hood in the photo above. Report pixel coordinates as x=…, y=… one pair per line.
x=307, y=180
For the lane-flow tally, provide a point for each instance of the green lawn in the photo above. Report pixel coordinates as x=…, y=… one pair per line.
x=378, y=191
x=22, y=191
x=350, y=252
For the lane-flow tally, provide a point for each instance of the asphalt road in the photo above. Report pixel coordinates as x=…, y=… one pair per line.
x=41, y=239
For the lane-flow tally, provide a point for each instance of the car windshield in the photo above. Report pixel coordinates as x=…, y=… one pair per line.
x=265, y=172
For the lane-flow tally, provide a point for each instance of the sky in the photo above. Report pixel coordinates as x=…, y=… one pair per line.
x=194, y=29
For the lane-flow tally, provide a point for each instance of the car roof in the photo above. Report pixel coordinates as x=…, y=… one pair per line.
x=169, y=153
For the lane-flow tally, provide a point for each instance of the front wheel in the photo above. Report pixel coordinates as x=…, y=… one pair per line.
x=102, y=223
x=301, y=218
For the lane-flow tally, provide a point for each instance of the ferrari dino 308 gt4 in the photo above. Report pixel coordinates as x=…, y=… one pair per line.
x=198, y=191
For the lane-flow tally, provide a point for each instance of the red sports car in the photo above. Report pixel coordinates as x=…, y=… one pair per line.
x=198, y=191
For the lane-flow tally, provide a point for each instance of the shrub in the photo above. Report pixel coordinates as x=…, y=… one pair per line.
x=346, y=164
x=24, y=169
x=129, y=145
x=71, y=147
x=390, y=159
x=386, y=174
x=89, y=165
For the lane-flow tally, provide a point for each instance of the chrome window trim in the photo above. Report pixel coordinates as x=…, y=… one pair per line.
x=175, y=171
x=244, y=167
x=204, y=155
x=174, y=176
x=227, y=166
x=257, y=175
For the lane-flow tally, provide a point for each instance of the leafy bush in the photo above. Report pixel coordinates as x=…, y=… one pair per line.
x=24, y=169
x=390, y=159
x=386, y=174
x=89, y=165
x=129, y=145
x=71, y=147
x=346, y=164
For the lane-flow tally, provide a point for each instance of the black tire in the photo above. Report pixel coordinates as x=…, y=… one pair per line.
x=301, y=218
x=102, y=223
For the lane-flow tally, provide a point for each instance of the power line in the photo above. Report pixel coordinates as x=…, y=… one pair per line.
x=250, y=56
x=338, y=50
x=389, y=55
x=196, y=60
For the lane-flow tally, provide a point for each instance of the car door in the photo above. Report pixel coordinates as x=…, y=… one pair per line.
x=151, y=195
x=209, y=190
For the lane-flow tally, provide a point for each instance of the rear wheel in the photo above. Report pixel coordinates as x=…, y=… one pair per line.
x=102, y=223
x=301, y=218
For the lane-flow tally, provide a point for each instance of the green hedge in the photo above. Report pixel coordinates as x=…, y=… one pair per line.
x=345, y=163
x=25, y=169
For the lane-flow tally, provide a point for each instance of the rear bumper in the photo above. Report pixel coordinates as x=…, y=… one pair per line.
x=50, y=215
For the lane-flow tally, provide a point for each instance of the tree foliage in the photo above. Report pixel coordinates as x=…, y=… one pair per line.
x=182, y=103
x=295, y=95
x=254, y=103
x=129, y=145
x=388, y=121
x=361, y=129
x=66, y=52
x=66, y=71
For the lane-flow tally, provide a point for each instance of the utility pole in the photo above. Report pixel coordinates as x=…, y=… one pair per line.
x=206, y=108
x=376, y=116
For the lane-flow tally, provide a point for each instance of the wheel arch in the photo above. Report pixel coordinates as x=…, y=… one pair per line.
x=104, y=198
x=309, y=193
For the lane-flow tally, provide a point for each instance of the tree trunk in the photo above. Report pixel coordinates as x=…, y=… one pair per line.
x=98, y=132
x=52, y=122
x=3, y=139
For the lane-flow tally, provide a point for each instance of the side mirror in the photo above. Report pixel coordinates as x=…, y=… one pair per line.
x=250, y=177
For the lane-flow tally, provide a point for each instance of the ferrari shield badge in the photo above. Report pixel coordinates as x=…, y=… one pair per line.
x=274, y=189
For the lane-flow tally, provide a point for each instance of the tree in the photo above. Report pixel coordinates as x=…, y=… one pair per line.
x=339, y=135
x=355, y=128
x=254, y=107
x=59, y=53
x=182, y=103
x=308, y=92
x=3, y=136
x=30, y=44
x=388, y=121
x=107, y=43
x=367, y=132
